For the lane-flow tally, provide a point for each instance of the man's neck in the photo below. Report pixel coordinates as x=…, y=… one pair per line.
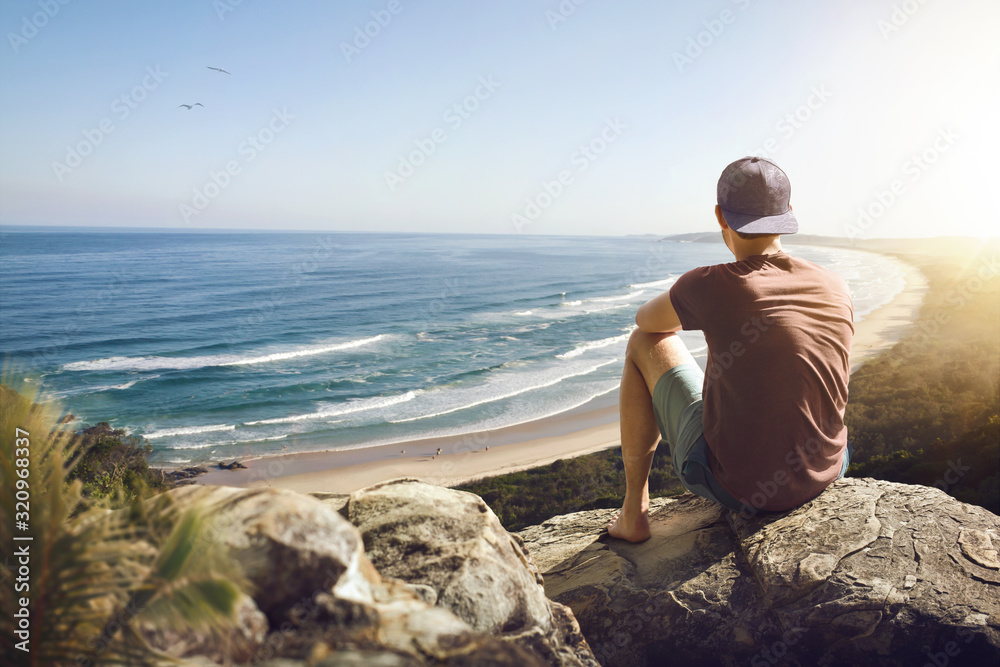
x=748, y=248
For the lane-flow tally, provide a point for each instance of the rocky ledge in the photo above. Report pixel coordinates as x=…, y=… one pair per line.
x=868, y=573
x=406, y=573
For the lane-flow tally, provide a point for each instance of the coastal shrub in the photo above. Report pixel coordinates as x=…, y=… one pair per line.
x=593, y=481
x=926, y=411
x=113, y=467
x=88, y=579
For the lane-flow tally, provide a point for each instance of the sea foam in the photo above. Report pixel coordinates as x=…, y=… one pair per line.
x=593, y=345
x=192, y=363
x=359, y=405
x=655, y=283
x=188, y=430
x=499, y=388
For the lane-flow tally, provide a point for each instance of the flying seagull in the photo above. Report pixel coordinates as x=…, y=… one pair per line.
x=218, y=69
x=189, y=106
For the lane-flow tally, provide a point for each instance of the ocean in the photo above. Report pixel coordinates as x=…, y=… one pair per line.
x=230, y=345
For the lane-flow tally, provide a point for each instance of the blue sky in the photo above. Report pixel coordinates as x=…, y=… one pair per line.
x=542, y=117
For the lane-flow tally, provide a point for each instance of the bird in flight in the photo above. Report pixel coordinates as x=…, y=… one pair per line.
x=218, y=69
x=190, y=106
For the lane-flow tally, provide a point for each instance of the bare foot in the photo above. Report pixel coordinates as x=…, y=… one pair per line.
x=630, y=529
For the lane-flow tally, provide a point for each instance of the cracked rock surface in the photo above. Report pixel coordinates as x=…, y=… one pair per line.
x=868, y=573
x=449, y=547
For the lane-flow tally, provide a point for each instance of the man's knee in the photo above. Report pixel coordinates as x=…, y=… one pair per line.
x=656, y=353
x=642, y=343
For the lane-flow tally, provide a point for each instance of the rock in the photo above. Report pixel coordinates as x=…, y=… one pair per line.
x=291, y=546
x=319, y=597
x=230, y=466
x=681, y=596
x=868, y=573
x=335, y=501
x=400, y=629
x=239, y=646
x=183, y=476
x=452, y=543
x=978, y=547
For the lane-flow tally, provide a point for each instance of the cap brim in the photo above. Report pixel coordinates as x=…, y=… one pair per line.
x=752, y=223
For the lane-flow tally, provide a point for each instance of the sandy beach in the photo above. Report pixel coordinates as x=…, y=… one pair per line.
x=886, y=325
x=588, y=429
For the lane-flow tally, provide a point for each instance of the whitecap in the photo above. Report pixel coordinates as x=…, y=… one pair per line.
x=593, y=345
x=623, y=297
x=358, y=405
x=190, y=363
x=188, y=430
x=491, y=396
x=655, y=283
x=99, y=388
x=601, y=310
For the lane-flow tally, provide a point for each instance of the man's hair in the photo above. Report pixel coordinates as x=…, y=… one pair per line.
x=749, y=237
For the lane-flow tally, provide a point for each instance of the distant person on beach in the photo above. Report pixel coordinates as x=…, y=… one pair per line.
x=763, y=428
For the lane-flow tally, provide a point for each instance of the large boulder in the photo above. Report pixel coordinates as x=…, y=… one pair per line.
x=868, y=573
x=291, y=547
x=315, y=594
x=450, y=548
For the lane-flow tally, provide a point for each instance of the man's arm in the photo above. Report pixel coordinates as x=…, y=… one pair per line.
x=658, y=315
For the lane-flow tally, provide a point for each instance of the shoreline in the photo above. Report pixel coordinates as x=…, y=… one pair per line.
x=586, y=429
x=463, y=457
x=889, y=323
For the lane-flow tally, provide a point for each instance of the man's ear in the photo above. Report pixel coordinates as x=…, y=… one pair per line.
x=720, y=217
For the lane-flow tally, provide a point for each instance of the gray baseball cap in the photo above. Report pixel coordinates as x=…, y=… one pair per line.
x=753, y=193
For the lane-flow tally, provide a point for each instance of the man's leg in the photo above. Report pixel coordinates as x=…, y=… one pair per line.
x=647, y=357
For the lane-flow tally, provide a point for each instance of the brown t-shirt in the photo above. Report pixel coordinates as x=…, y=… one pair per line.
x=779, y=333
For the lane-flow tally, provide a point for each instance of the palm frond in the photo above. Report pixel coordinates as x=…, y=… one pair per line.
x=91, y=575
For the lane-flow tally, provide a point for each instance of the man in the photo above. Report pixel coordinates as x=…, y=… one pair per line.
x=762, y=429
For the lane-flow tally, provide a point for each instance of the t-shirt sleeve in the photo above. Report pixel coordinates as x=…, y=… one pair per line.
x=685, y=295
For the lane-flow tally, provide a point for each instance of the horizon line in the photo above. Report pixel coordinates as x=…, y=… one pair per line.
x=22, y=228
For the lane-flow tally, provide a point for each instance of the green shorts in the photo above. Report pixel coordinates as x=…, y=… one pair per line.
x=678, y=407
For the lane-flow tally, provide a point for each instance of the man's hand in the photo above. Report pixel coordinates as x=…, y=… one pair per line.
x=658, y=315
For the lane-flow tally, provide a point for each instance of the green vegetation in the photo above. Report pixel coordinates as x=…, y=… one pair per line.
x=90, y=580
x=113, y=469
x=927, y=411
x=594, y=481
